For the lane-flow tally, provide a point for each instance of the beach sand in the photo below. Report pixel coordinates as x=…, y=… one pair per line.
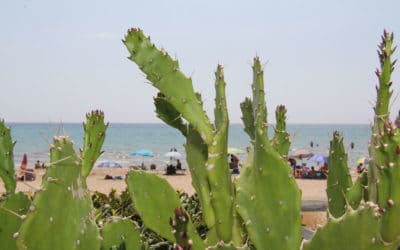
x=312, y=190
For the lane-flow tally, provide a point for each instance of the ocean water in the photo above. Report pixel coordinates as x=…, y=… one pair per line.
x=121, y=139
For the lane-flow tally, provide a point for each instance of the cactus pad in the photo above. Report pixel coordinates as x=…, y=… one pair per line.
x=7, y=172
x=156, y=201
x=165, y=75
x=95, y=130
x=268, y=199
x=120, y=235
x=12, y=212
x=355, y=230
x=61, y=214
x=339, y=179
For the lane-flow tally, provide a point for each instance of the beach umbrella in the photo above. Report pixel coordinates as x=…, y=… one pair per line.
x=300, y=153
x=235, y=151
x=143, y=152
x=318, y=158
x=173, y=154
x=364, y=160
x=109, y=164
x=24, y=162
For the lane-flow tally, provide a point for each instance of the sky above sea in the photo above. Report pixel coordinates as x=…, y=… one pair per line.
x=61, y=59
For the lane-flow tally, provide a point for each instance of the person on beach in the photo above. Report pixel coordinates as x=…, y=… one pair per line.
x=360, y=168
x=178, y=164
x=312, y=173
x=37, y=165
x=324, y=170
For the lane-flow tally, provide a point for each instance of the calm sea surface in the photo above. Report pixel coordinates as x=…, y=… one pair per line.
x=122, y=139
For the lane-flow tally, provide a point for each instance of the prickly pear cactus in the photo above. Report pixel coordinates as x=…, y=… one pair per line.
x=156, y=202
x=356, y=230
x=374, y=225
x=95, y=131
x=13, y=206
x=265, y=196
x=339, y=179
x=268, y=199
x=281, y=139
x=13, y=211
x=211, y=176
x=120, y=235
x=359, y=191
x=63, y=204
x=7, y=172
x=384, y=167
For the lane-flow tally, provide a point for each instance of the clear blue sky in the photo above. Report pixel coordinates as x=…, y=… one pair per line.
x=60, y=59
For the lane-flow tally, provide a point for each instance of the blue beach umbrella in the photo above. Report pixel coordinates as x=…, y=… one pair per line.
x=109, y=164
x=319, y=158
x=143, y=152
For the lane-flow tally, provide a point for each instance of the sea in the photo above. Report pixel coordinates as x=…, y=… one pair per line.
x=121, y=140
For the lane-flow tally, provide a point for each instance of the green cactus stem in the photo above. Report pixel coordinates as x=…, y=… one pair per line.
x=63, y=205
x=164, y=73
x=156, y=201
x=95, y=129
x=281, y=139
x=221, y=188
x=379, y=140
x=179, y=223
x=384, y=169
x=268, y=199
x=248, y=118
x=197, y=154
x=358, y=191
x=211, y=180
x=120, y=235
x=355, y=230
x=339, y=179
x=7, y=172
x=168, y=114
x=13, y=211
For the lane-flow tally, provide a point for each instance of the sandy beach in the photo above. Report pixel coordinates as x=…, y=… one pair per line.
x=312, y=190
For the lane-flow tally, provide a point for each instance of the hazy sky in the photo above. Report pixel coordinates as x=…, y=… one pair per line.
x=60, y=59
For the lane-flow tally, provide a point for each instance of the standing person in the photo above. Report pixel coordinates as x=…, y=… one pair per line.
x=178, y=164
x=235, y=169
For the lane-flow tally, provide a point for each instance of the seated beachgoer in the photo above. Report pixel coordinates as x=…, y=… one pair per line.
x=170, y=170
x=312, y=173
x=360, y=168
x=29, y=175
x=153, y=166
x=38, y=165
x=324, y=169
